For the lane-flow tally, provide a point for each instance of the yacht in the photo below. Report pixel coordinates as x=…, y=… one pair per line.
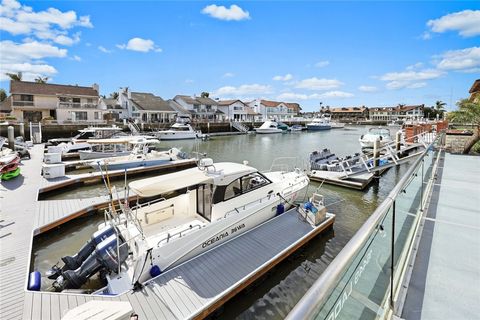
x=109, y=148
x=367, y=140
x=86, y=134
x=179, y=131
x=196, y=209
x=269, y=127
x=319, y=124
x=337, y=125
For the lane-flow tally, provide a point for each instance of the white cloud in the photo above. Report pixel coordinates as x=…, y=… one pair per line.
x=51, y=24
x=228, y=75
x=426, y=36
x=321, y=64
x=394, y=85
x=466, y=22
x=417, y=85
x=301, y=96
x=318, y=84
x=426, y=74
x=76, y=58
x=243, y=90
x=140, y=45
x=189, y=81
x=415, y=66
x=466, y=60
x=286, y=77
x=220, y=12
x=104, y=50
x=26, y=57
x=367, y=88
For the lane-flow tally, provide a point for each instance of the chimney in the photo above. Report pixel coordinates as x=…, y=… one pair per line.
x=96, y=87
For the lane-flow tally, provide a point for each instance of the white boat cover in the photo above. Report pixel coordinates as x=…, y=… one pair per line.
x=224, y=174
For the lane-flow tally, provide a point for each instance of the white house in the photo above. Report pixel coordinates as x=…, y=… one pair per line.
x=236, y=110
x=201, y=108
x=276, y=110
x=145, y=107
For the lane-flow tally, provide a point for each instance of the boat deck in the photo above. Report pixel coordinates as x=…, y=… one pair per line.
x=192, y=290
x=445, y=280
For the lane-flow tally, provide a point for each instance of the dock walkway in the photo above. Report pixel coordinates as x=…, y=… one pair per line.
x=445, y=281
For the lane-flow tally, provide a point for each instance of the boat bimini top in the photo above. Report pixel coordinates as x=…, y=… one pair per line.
x=221, y=173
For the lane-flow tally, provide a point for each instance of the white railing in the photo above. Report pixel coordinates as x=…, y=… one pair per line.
x=76, y=105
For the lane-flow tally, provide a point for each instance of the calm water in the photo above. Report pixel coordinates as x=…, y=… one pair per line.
x=276, y=293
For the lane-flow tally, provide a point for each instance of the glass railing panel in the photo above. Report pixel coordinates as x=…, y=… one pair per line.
x=363, y=286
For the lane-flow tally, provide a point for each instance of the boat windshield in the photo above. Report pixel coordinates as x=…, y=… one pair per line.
x=380, y=131
x=180, y=128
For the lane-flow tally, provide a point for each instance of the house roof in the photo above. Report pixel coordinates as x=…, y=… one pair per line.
x=273, y=104
x=196, y=100
x=149, y=101
x=251, y=111
x=475, y=87
x=25, y=87
x=349, y=109
x=229, y=102
x=111, y=103
x=177, y=107
x=293, y=105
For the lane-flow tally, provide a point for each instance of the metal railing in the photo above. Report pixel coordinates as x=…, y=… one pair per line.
x=364, y=279
x=77, y=105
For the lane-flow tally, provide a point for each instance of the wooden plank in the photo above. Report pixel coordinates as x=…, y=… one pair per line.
x=137, y=307
x=63, y=304
x=185, y=296
x=55, y=306
x=46, y=307
x=161, y=309
x=147, y=308
x=27, y=305
x=36, y=305
x=169, y=302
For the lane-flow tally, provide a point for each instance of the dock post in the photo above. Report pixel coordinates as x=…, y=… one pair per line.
x=22, y=130
x=398, y=139
x=11, y=137
x=376, y=155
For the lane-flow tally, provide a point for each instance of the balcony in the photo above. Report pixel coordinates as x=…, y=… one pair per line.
x=76, y=105
x=23, y=103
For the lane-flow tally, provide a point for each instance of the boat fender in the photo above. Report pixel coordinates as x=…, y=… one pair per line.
x=34, y=281
x=155, y=271
x=280, y=209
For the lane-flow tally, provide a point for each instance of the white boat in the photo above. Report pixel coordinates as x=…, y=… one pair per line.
x=296, y=128
x=367, y=140
x=208, y=205
x=319, y=124
x=179, y=131
x=109, y=148
x=140, y=156
x=337, y=125
x=90, y=133
x=269, y=127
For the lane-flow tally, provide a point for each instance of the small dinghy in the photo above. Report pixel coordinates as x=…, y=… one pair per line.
x=9, y=166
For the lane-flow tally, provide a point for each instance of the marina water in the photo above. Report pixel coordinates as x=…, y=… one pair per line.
x=275, y=294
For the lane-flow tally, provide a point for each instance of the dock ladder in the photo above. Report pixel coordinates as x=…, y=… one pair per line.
x=240, y=127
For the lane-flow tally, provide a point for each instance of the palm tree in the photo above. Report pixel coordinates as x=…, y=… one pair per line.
x=15, y=76
x=204, y=94
x=41, y=79
x=3, y=95
x=114, y=95
x=468, y=113
x=440, y=108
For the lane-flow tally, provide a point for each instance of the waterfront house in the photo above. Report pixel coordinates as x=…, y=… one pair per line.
x=32, y=101
x=475, y=92
x=181, y=111
x=349, y=114
x=114, y=110
x=5, y=108
x=236, y=110
x=400, y=112
x=200, y=108
x=277, y=110
x=146, y=107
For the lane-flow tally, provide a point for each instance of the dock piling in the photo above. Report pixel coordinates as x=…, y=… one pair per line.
x=22, y=129
x=398, y=139
x=376, y=155
x=11, y=137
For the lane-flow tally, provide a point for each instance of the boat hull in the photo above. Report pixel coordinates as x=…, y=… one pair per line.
x=318, y=128
x=132, y=164
x=268, y=131
x=89, y=155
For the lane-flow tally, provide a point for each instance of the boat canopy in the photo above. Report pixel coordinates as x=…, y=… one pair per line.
x=225, y=172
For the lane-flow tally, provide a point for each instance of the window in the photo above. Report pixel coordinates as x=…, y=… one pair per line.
x=26, y=97
x=95, y=115
x=79, y=115
x=233, y=190
x=253, y=181
x=76, y=100
x=196, y=106
x=89, y=100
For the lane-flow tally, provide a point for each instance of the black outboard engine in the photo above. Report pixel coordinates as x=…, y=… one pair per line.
x=103, y=257
x=73, y=262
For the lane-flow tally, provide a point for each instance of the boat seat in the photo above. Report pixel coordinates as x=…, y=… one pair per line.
x=157, y=215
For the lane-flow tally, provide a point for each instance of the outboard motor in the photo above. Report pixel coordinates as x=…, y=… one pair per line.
x=103, y=257
x=73, y=262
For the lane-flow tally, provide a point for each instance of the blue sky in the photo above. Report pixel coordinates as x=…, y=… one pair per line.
x=338, y=53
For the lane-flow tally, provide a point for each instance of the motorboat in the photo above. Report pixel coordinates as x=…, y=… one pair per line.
x=140, y=156
x=319, y=124
x=180, y=131
x=269, y=127
x=296, y=128
x=88, y=133
x=109, y=148
x=367, y=140
x=325, y=160
x=9, y=166
x=337, y=125
x=193, y=211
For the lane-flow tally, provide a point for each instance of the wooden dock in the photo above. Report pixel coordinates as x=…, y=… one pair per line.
x=193, y=289
x=196, y=288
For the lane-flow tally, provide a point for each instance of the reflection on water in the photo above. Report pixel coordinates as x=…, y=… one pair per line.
x=276, y=293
